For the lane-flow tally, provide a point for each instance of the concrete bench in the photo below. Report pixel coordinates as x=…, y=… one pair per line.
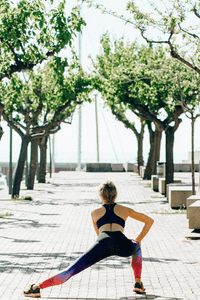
x=117, y=168
x=191, y=200
x=128, y=167
x=178, y=195
x=97, y=167
x=142, y=170
x=161, y=184
x=3, y=183
x=135, y=168
x=194, y=215
x=154, y=183
x=175, y=184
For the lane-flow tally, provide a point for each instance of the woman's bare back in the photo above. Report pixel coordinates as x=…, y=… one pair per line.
x=118, y=209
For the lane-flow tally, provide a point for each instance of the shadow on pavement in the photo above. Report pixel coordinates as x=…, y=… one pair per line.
x=150, y=201
x=14, y=240
x=147, y=296
x=45, y=260
x=160, y=260
x=57, y=262
x=25, y=223
x=77, y=202
x=76, y=184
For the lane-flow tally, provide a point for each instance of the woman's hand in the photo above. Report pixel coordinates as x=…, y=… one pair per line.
x=138, y=241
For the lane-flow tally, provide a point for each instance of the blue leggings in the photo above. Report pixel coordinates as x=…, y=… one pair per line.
x=108, y=243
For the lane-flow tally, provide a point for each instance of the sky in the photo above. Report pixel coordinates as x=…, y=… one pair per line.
x=116, y=143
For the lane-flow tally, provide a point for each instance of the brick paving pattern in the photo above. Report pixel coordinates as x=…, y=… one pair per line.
x=42, y=237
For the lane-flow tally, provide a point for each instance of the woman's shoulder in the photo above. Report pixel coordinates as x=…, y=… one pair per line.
x=96, y=210
x=121, y=206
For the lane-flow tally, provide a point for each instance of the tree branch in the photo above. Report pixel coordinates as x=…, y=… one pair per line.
x=13, y=125
x=122, y=118
x=189, y=33
x=197, y=14
x=173, y=51
x=20, y=65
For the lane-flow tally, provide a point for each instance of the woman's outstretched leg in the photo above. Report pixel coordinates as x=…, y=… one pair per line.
x=99, y=251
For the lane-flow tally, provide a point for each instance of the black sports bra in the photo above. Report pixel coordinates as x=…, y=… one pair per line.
x=110, y=217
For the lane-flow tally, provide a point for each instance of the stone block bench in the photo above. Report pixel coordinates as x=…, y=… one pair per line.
x=194, y=215
x=142, y=170
x=98, y=167
x=173, y=185
x=154, y=183
x=117, y=168
x=3, y=183
x=135, y=168
x=190, y=200
x=178, y=195
x=103, y=167
x=161, y=184
x=129, y=167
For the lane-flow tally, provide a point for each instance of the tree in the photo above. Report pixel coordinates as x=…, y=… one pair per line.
x=32, y=31
x=145, y=79
x=192, y=112
x=171, y=25
x=42, y=103
x=167, y=23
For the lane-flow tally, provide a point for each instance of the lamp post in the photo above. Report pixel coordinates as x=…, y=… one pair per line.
x=97, y=127
x=53, y=153
x=10, y=181
x=79, y=107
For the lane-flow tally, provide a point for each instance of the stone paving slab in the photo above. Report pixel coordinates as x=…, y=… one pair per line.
x=40, y=238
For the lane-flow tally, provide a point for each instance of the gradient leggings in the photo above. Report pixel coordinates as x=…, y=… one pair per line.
x=108, y=243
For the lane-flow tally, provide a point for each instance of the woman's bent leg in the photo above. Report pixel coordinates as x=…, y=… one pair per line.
x=99, y=251
x=136, y=262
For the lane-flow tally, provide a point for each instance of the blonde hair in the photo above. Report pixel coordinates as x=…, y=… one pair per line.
x=108, y=191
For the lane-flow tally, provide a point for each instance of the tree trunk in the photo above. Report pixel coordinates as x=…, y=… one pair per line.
x=154, y=152
x=43, y=160
x=149, y=166
x=20, y=168
x=169, y=132
x=157, y=145
x=140, y=159
x=33, y=165
x=192, y=154
x=140, y=138
x=1, y=131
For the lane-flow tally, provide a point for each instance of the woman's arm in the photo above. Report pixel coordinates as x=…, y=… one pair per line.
x=142, y=218
x=94, y=224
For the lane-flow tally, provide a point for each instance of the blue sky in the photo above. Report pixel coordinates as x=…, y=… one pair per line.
x=116, y=142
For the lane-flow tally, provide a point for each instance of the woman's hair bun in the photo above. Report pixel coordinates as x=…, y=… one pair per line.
x=108, y=191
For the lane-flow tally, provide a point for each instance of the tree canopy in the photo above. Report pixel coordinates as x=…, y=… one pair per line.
x=147, y=81
x=36, y=106
x=144, y=79
x=167, y=23
x=31, y=31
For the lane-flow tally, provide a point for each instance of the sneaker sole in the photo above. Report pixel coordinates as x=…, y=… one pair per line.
x=139, y=291
x=33, y=295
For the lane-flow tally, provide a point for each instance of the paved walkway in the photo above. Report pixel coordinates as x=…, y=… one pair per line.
x=42, y=237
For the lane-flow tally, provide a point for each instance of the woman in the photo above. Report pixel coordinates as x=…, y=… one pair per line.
x=108, y=221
